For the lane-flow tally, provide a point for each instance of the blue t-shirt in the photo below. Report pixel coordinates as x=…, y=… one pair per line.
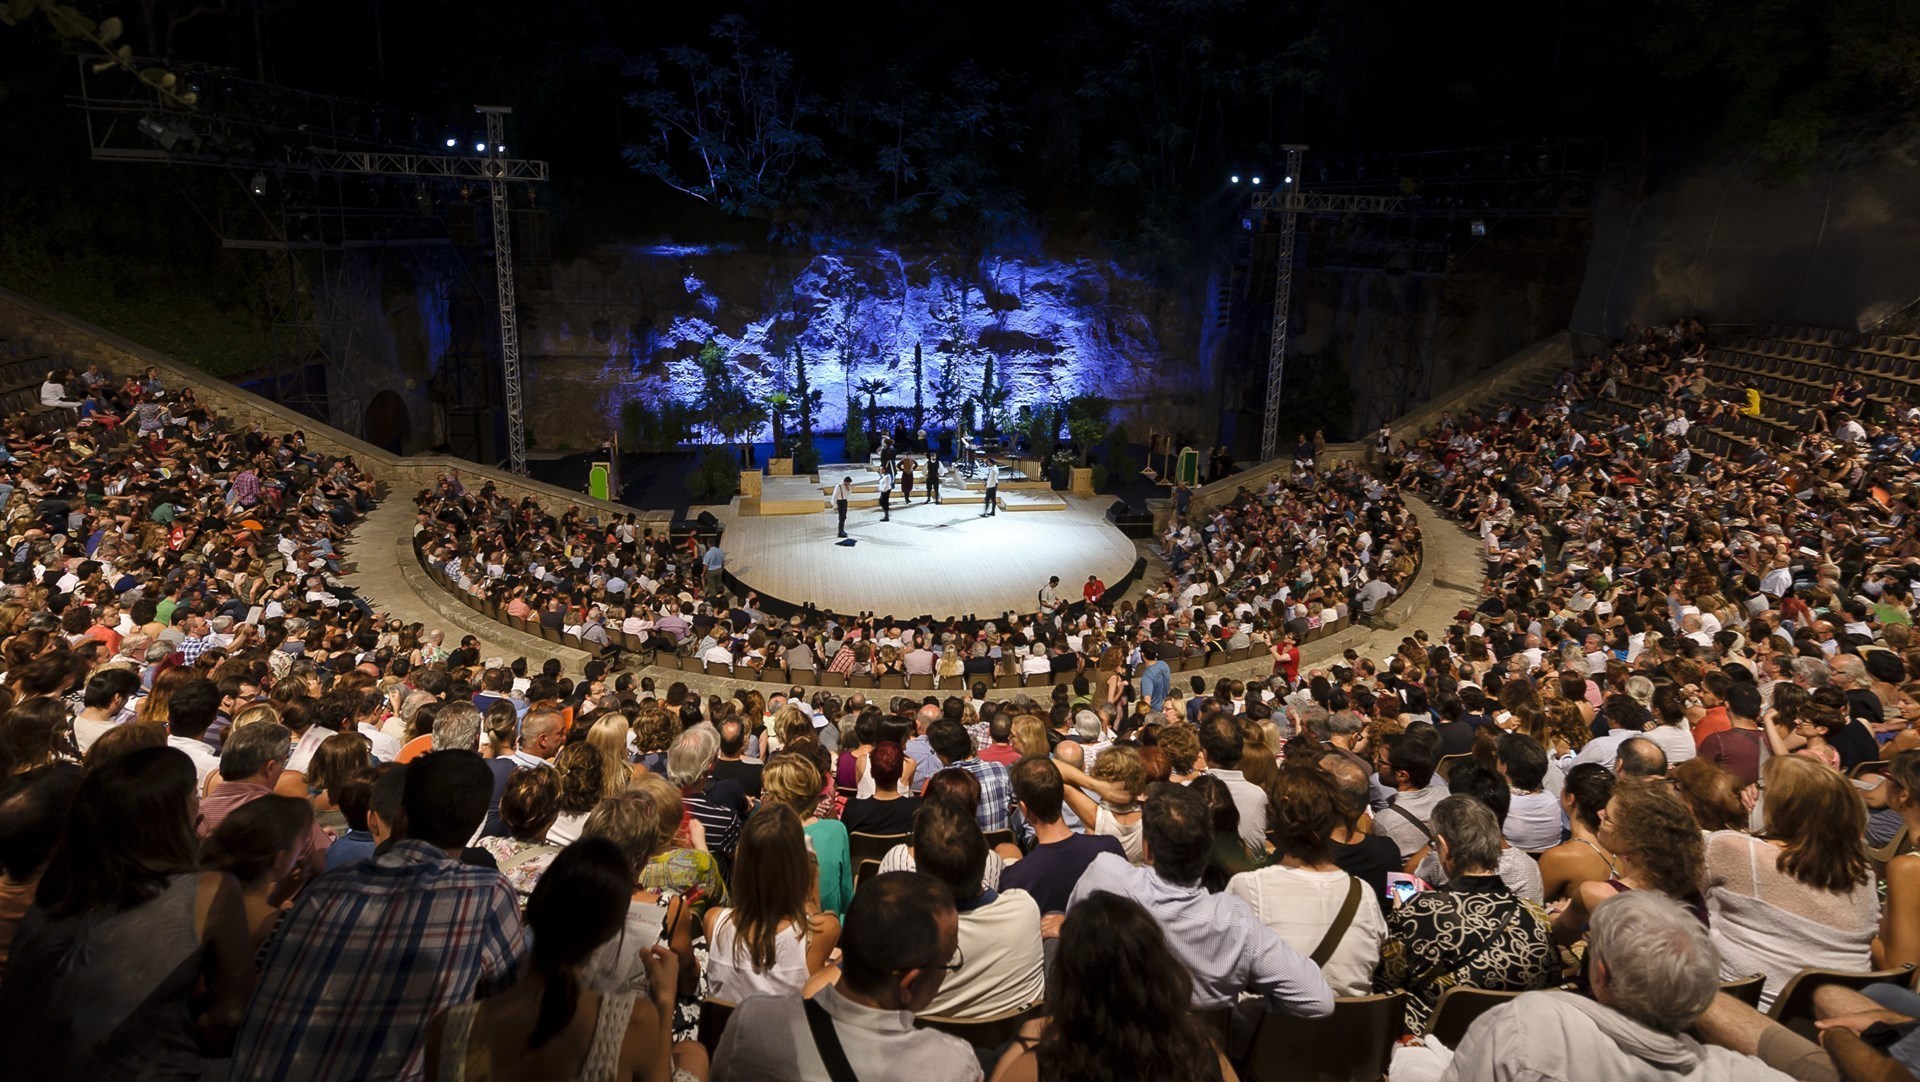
x=1050, y=872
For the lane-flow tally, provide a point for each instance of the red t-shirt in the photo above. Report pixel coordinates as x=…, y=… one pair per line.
x=1711, y=722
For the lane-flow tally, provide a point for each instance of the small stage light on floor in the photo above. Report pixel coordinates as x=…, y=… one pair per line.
x=259, y=184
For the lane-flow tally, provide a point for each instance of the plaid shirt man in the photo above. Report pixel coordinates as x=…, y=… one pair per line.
x=996, y=795
x=368, y=955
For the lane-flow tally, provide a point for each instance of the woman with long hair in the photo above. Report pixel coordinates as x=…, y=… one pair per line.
x=1801, y=894
x=550, y=1024
x=1030, y=736
x=1899, y=940
x=1099, y=1029
x=1581, y=858
x=131, y=959
x=1655, y=845
x=35, y=733
x=773, y=937
x=338, y=758
x=793, y=779
x=528, y=806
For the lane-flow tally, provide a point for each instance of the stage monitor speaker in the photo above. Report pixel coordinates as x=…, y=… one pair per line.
x=707, y=521
x=1118, y=512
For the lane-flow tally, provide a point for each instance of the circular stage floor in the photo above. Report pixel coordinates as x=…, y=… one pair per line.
x=939, y=559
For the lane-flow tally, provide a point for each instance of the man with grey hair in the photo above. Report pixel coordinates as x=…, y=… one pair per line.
x=925, y=763
x=1640, y=758
x=718, y=805
x=1654, y=973
x=251, y=762
x=1346, y=733
x=457, y=725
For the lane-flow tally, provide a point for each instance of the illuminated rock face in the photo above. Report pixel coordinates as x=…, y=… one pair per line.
x=628, y=324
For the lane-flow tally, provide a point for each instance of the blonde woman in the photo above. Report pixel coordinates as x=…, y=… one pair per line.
x=1119, y=780
x=1030, y=736
x=609, y=734
x=587, y=777
x=950, y=667
x=790, y=778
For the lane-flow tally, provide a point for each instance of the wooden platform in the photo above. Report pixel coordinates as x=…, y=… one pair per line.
x=944, y=559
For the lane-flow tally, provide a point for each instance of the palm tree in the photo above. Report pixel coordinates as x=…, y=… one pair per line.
x=871, y=387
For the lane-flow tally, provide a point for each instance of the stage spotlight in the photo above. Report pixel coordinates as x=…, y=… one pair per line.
x=501, y=149
x=1234, y=179
x=451, y=143
x=259, y=184
x=479, y=148
x=1286, y=180
x=1256, y=182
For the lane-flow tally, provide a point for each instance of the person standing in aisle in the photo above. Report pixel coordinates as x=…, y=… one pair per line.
x=993, y=489
x=886, y=494
x=842, y=492
x=933, y=477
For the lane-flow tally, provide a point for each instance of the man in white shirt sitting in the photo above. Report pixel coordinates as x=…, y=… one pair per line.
x=898, y=944
x=1005, y=966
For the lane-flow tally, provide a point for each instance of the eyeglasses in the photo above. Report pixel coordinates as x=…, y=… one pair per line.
x=951, y=967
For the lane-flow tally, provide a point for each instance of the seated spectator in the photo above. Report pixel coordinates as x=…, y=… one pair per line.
x=548, y=1024
x=1051, y=869
x=1520, y=872
x=33, y=809
x=1654, y=974
x=1319, y=910
x=1477, y=932
x=632, y=823
x=900, y=943
x=528, y=808
x=1406, y=765
x=130, y=960
x=1219, y=937
x=1709, y=794
x=791, y=778
x=962, y=790
x=773, y=936
x=678, y=866
x=1655, y=846
x=1229, y=856
x=588, y=776
x=1533, y=819
x=888, y=810
x=1223, y=745
x=1097, y=1027
x=1004, y=967
x=256, y=844
x=355, y=799
x=1640, y=758
x=386, y=944
x=1353, y=848
x=954, y=746
x=1899, y=940
x=716, y=805
x=1582, y=858
x=1736, y=748
x=1118, y=781
x=1800, y=894
x=251, y=762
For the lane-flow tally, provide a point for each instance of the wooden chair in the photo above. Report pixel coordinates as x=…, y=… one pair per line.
x=1747, y=989
x=714, y=1016
x=862, y=870
x=1000, y=837
x=1353, y=1044
x=1793, y=1007
x=1448, y=762
x=1877, y=766
x=873, y=847
x=1459, y=1006
x=992, y=1033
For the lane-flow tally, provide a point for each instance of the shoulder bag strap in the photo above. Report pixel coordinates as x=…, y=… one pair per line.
x=826, y=1041
x=1412, y=818
x=1341, y=922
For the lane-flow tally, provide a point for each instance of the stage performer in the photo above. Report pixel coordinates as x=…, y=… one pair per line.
x=886, y=495
x=842, y=492
x=993, y=489
x=906, y=481
x=886, y=454
x=1049, y=597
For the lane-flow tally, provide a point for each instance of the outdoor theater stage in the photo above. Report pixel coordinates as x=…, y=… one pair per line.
x=942, y=560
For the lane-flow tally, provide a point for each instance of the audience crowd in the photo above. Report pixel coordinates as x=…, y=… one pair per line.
x=249, y=828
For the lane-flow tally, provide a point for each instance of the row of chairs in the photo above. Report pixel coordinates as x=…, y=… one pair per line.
x=637, y=647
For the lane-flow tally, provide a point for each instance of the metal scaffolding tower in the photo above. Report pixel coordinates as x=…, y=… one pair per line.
x=1289, y=202
x=503, y=284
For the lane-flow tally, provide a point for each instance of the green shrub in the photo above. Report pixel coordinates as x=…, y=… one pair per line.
x=716, y=479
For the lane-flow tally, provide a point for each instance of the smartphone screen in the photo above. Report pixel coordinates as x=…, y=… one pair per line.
x=1401, y=886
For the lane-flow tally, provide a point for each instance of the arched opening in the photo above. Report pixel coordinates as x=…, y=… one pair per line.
x=387, y=424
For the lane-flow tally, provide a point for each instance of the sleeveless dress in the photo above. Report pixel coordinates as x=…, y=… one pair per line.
x=603, y=1055
x=732, y=975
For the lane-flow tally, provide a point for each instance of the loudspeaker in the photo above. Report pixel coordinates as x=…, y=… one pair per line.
x=1117, y=512
x=707, y=521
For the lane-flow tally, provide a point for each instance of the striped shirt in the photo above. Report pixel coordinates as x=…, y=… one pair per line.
x=368, y=955
x=1219, y=937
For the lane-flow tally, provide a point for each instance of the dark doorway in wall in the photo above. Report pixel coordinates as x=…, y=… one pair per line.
x=387, y=423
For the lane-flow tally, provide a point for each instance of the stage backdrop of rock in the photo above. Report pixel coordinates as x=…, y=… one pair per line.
x=627, y=323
